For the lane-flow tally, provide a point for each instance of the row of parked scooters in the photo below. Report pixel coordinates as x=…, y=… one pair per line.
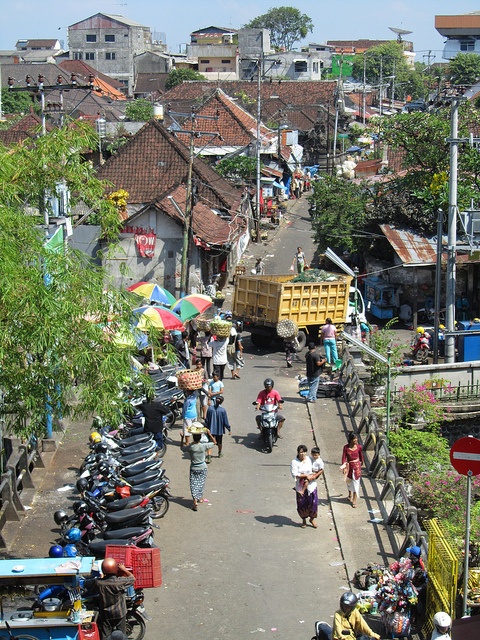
x=122, y=488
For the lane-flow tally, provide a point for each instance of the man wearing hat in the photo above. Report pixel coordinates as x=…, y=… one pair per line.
x=314, y=362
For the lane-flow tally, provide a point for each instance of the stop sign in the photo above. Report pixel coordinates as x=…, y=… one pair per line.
x=465, y=456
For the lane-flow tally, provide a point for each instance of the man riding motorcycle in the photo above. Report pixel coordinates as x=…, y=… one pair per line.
x=422, y=341
x=268, y=397
x=348, y=622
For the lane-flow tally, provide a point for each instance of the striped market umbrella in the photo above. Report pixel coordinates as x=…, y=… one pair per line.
x=158, y=317
x=153, y=292
x=192, y=305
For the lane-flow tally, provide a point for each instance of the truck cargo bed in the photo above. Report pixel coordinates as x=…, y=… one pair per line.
x=265, y=300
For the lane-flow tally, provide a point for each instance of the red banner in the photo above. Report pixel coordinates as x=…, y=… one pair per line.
x=145, y=241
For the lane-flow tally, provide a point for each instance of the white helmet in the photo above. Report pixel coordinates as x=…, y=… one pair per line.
x=442, y=621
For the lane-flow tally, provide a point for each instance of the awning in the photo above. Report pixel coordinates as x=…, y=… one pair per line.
x=279, y=186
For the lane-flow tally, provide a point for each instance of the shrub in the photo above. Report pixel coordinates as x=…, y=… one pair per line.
x=419, y=450
x=443, y=494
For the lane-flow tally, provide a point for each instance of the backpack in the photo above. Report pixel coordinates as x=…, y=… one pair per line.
x=365, y=578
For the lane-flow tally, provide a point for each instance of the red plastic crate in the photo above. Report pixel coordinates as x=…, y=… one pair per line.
x=144, y=564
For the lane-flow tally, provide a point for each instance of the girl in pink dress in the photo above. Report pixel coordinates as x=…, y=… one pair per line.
x=352, y=461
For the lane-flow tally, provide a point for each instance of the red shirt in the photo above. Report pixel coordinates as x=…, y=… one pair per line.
x=269, y=397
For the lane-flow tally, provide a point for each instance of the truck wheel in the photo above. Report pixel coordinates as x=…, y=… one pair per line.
x=261, y=340
x=302, y=341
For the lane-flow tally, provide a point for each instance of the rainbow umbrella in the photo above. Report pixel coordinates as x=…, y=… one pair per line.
x=153, y=292
x=158, y=317
x=192, y=305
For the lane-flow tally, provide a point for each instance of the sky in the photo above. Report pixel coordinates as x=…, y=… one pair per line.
x=341, y=20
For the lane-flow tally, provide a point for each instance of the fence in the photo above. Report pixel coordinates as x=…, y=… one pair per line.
x=16, y=482
x=394, y=502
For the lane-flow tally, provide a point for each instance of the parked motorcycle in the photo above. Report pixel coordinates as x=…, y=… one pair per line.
x=421, y=349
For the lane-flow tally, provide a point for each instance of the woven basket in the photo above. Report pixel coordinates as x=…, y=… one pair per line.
x=287, y=329
x=190, y=379
x=220, y=328
x=203, y=323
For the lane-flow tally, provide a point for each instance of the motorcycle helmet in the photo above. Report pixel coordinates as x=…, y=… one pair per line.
x=268, y=382
x=60, y=517
x=70, y=551
x=420, y=330
x=442, y=621
x=101, y=447
x=80, y=507
x=441, y=326
x=56, y=551
x=95, y=437
x=103, y=469
x=73, y=535
x=82, y=485
x=348, y=602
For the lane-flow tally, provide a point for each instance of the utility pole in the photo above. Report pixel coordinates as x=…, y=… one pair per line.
x=452, y=235
x=257, y=149
x=338, y=97
x=380, y=90
x=187, y=214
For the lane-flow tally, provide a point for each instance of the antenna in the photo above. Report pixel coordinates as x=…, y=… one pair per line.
x=400, y=32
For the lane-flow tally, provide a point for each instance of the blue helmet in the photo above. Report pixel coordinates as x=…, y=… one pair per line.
x=73, y=535
x=70, y=551
x=56, y=551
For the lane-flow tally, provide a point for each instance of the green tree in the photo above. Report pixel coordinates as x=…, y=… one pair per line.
x=177, y=76
x=140, y=110
x=54, y=309
x=464, y=68
x=340, y=212
x=17, y=102
x=286, y=24
x=238, y=168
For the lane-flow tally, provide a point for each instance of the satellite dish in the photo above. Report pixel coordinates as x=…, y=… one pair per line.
x=400, y=32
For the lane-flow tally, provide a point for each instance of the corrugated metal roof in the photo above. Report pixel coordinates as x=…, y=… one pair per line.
x=412, y=249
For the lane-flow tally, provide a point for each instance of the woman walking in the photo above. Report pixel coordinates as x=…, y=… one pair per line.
x=299, y=260
x=307, y=500
x=352, y=460
x=198, y=466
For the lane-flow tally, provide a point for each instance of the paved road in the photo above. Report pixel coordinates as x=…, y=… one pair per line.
x=241, y=564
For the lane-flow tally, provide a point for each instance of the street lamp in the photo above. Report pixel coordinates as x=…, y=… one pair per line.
x=101, y=127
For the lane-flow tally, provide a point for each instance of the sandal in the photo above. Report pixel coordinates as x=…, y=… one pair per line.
x=279, y=436
x=194, y=508
x=313, y=523
x=304, y=524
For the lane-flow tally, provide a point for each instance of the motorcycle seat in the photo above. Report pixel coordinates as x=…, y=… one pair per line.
x=135, y=440
x=99, y=547
x=141, y=467
x=124, y=503
x=126, y=515
x=147, y=487
x=147, y=476
x=125, y=534
x=132, y=458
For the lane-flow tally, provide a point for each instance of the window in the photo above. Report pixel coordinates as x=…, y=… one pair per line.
x=204, y=61
x=226, y=61
x=110, y=55
x=109, y=38
x=89, y=56
x=77, y=55
x=467, y=45
x=315, y=67
x=91, y=37
x=300, y=66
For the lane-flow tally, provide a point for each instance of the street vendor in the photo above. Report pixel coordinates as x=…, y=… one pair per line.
x=111, y=589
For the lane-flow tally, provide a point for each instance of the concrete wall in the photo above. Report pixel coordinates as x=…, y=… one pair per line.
x=463, y=373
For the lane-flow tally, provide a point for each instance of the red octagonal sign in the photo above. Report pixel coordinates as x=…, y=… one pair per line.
x=465, y=456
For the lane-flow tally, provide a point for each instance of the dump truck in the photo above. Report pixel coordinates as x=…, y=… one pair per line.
x=262, y=301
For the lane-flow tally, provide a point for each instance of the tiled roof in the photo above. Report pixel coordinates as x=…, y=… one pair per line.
x=82, y=69
x=49, y=70
x=150, y=82
x=235, y=125
x=27, y=127
x=290, y=97
x=47, y=44
x=154, y=160
x=213, y=31
x=207, y=226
